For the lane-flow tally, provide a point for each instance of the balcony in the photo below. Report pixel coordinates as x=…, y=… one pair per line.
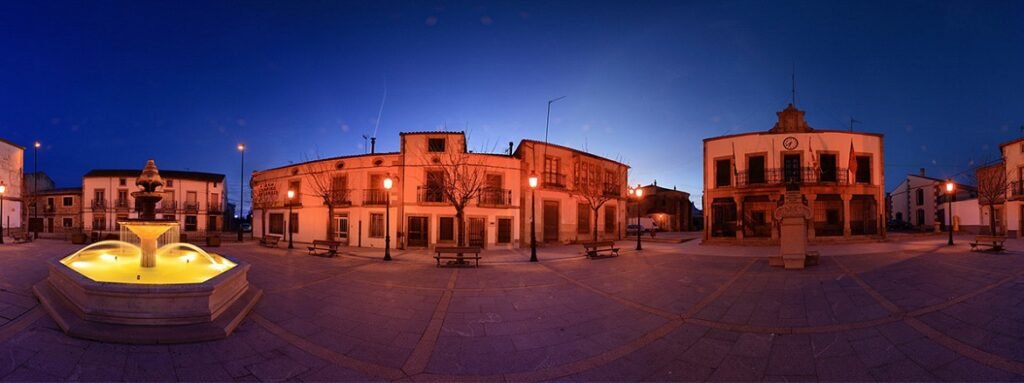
x=341, y=197
x=430, y=194
x=494, y=197
x=553, y=180
x=49, y=209
x=375, y=197
x=98, y=204
x=780, y=177
x=121, y=204
x=215, y=207
x=190, y=206
x=612, y=190
x=168, y=206
x=1016, y=189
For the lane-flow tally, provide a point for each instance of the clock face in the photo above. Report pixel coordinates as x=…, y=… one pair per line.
x=790, y=143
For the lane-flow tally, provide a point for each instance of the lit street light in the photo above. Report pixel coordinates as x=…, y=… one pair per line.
x=533, y=217
x=241, y=192
x=291, y=195
x=3, y=189
x=35, y=185
x=950, y=188
x=388, y=182
x=637, y=193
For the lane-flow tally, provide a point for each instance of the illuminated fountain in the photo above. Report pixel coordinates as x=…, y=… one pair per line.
x=147, y=287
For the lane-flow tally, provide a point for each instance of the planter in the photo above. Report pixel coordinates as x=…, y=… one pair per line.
x=79, y=238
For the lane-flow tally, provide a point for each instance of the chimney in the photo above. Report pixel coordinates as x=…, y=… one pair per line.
x=655, y=183
x=373, y=146
x=922, y=172
x=510, y=148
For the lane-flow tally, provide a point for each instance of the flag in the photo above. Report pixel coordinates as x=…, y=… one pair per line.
x=814, y=158
x=853, y=162
x=735, y=172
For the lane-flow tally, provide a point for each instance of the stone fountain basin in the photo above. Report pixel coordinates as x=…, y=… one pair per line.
x=147, y=313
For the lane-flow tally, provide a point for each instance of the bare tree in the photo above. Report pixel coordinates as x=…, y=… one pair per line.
x=264, y=195
x=992, y=185
x=320, y=176
x=461, y=180
x=589, y=189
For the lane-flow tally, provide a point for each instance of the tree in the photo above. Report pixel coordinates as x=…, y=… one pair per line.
x=589, y=189
x=321, y=177
x=264, y=195
x=460, y=181
x=992, y=185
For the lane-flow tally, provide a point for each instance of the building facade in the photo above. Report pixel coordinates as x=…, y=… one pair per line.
x=194, y=199
x=670, y=209
x=12, y=157
x=61, y=211
x=343, y=198
x=919, y=202
x=839, y=173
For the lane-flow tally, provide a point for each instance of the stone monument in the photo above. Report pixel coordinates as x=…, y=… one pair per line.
x=792, y=217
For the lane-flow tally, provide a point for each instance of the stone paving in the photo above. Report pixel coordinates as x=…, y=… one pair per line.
x=905, y=310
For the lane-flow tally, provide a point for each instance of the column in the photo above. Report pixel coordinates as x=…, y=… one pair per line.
x=846, y=215
x=775, y=223
x=739, y=216
x=810, y=223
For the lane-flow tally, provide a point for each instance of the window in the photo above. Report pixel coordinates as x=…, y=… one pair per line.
x=99, y=223
x=582, y=218
x=827, y=162
x=435, y=186
x=118, y=220
x=609, y=219
x=211, y=223
x=49, y=202
x=293, y=222
x=435, y=145
x=170, y=183
x=191, y=223
x=376, y=225
x=552, y=172
x=864, y=169
x=920, y=197
x=122, y=182
x=276, y=223
x=504, y=230
x=68, y=201
x=339, y=189
x=920, y=216
x=68, y=222
x=170, y=217
x=755, y=170
x=446, y=229
x=723, y=173
x=296, y=186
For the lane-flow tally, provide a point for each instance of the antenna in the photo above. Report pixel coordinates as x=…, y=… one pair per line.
x=381, y=111
x=793, y=89
x=365, y=143
x=853, y=121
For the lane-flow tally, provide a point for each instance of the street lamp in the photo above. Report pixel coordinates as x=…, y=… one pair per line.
x=291, y=195
x=637, y=193
x=533, y=217
x=388, y=183
x=3, y=189
x=241, y=192
x=35, y=183
x=950, y=188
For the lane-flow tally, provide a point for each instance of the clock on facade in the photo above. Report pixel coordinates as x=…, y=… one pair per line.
x=790, y=143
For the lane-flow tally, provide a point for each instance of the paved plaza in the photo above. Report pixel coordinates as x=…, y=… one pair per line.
x=910, y=309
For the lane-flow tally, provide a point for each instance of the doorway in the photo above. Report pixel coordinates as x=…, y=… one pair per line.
x=550, y=221
x=418, y=233
x=341, y=229
x=477, y=232
x=791, y=168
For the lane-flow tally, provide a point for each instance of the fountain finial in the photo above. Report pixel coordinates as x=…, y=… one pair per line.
x=150, y=178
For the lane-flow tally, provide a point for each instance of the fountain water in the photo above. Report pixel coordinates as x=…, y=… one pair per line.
x=147, y=287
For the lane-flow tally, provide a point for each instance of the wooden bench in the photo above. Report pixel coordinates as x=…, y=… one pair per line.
x=324, y=248
x=992, y=242
x=21, y=237
x=459, y=254
x=270, y=240
x=595, y=249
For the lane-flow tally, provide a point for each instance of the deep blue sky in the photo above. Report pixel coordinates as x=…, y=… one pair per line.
x=110, y=84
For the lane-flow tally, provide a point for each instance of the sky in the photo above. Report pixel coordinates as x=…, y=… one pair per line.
x=109, y=84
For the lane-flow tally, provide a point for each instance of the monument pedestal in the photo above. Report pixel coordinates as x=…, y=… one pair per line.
x=792, y=217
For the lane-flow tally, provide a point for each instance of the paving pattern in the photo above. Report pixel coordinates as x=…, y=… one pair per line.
x=902, y=310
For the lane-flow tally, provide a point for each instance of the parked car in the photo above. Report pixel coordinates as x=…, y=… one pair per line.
x=247, y=227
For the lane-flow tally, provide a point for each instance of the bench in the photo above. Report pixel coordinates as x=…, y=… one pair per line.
x=992, y=242
x=21, y=237
x=270, y=240
x=324, y=248
x=595, y=249
x=458, y=254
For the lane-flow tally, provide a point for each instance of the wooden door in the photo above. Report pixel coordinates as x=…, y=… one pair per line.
x=418, y=233
x=550, y=221
x=477, y=232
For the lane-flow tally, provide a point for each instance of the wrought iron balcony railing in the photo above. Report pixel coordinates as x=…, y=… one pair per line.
x=375, y=196
x=782, y=176
x=1017, y=189
x=167, y=206
x=215, y=207
x=190, y=206
x=494, y=197
x=430, y=194
x=554, y=180
x=341, y=197
x=121, y=204
x=98, y=204
x=612, y=190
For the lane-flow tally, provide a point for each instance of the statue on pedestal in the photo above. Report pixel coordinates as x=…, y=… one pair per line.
x=792, y=217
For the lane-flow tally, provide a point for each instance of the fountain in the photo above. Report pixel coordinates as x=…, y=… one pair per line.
x=147, y=287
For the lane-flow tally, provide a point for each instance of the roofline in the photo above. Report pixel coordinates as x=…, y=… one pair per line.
x=327, y=159
x=879, y=135
x=180, y=174
x=662, y=188
x=60, y=191
x=1008, y=143
x=525, y=140
x=12, y=144
x=432, y=132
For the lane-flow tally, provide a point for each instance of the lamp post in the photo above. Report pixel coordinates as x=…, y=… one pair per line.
x=35, y=183
x=241, y=192
x=3, y=189
x=388, y=183
x=533, y=217
x=637, y=193
x=291, y=233
x=950, y=187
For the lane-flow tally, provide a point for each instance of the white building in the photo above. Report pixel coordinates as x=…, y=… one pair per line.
x=840, y=174
x=920, y=201
x=342, y=198
x=194, y=199
x=12, y=157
